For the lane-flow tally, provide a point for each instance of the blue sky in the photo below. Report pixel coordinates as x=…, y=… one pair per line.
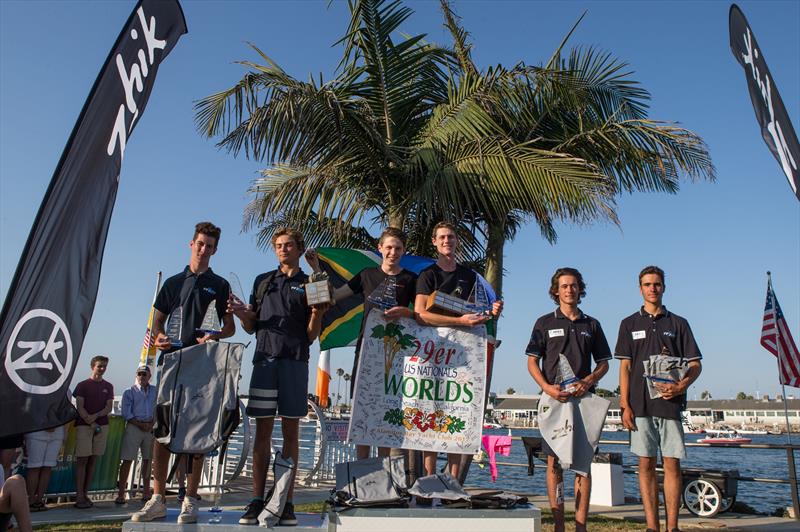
x=715, y=240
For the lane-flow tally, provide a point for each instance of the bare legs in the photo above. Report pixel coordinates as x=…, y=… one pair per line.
x=262, y=450
x=555, y=496
x=14, y=500
x=84, y=471
x=37, y=479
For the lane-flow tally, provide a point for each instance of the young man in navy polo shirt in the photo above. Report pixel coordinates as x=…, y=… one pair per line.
x=285, y=327
x=192, y=290
x=580, y=338
x=655, y=423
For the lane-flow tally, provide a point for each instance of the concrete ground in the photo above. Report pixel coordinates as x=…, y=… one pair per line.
x=108, y=511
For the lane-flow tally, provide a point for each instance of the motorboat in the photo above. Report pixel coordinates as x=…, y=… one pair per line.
x=612, y=428
x=492, y=425
x=725, y=439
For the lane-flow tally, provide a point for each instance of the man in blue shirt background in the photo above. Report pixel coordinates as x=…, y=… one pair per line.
x=138, y=403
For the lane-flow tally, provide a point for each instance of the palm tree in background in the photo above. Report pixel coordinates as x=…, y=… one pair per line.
x=408, y=133
x=347, y=393
x=339, y=373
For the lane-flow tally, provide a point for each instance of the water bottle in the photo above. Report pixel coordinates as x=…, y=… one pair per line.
x=215, y=511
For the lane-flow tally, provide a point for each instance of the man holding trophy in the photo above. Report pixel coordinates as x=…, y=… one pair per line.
x=659, y=360
x=564, y=342
x=388, y=287
x=443, y=291
x=180, y=308
x=285, y=326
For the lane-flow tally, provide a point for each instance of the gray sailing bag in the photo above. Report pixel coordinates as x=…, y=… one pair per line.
x=371, y=482
x=197, y=406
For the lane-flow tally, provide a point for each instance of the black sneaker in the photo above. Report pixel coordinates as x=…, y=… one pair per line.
x=287, y=517
x=251, y=513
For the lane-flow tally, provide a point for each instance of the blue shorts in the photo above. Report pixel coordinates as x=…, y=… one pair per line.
x=278, y=386
x=654, y=433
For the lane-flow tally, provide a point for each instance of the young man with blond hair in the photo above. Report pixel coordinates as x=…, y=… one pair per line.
x=192, y=290
x=655, y=424
x=285, y=327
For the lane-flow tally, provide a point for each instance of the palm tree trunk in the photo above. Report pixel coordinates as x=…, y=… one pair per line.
x=494, y=255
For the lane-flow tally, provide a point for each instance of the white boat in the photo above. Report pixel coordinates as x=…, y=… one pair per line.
x=612, y=428
x=491, y=425
x=751, y=431
x=720, y=432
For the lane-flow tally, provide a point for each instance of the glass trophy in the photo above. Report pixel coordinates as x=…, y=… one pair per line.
x=566, y=377
x=385, y=295
x=318, y=289
x=175, y=327
x=236, y=288
x=211, y=324
x=480, y=298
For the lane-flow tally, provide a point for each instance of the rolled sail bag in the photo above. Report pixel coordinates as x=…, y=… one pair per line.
x=197, y=405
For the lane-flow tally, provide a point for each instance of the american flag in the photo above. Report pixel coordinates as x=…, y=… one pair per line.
x=149, y=341
x=776, y=338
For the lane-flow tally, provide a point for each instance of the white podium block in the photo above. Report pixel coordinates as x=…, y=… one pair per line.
x=608, y=485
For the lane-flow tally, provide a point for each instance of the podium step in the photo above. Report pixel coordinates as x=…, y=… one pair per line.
x=230, y=522
x=526, y=518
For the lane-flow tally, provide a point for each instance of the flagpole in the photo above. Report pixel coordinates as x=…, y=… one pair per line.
x=145, y=358
x=780, y=360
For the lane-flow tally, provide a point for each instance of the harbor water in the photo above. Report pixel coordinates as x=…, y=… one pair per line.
x=762, y=463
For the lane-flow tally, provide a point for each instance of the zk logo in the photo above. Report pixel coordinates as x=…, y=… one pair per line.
x=39, y=341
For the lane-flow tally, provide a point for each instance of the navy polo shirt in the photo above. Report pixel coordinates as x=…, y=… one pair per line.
x=580, y=341
x=282, y=317
x=208, y=287
x=642, y=335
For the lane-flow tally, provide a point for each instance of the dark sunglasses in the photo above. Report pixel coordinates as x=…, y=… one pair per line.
x=143, y=374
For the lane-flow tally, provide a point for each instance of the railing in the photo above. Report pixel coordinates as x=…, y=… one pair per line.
x=790, y=448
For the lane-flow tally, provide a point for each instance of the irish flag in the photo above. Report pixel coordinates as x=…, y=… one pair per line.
x=323, y=377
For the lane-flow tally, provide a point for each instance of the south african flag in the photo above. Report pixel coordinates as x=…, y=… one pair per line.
x=342, y=323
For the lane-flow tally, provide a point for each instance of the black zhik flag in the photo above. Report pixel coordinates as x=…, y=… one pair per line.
x=776, y=129
x=51, y=298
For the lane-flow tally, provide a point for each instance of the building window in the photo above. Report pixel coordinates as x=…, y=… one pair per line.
x=750, y=413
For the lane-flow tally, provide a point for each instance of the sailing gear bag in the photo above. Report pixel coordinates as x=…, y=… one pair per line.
x=371, y=482
x=276, y=498
x=197, y=406
x=439, y=486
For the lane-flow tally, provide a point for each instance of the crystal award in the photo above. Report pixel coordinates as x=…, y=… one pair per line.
x=175, y=327
x=211, y=324
x=385, y=295
x=236, y=288
x=566, y=378
x=480, y=298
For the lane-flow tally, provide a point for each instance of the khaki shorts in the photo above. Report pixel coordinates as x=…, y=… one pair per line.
x=134, y=441
x=87, y=443
x=654, y=433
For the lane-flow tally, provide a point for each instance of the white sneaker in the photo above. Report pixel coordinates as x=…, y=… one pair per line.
x=188, y=511
x=155, y=508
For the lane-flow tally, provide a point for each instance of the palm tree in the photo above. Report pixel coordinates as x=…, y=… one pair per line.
x=339, y=373
x=391, y=139
x=346, y=389
x=408, y=133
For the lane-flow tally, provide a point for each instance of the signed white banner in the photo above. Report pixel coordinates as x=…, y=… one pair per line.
x=419, y=387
